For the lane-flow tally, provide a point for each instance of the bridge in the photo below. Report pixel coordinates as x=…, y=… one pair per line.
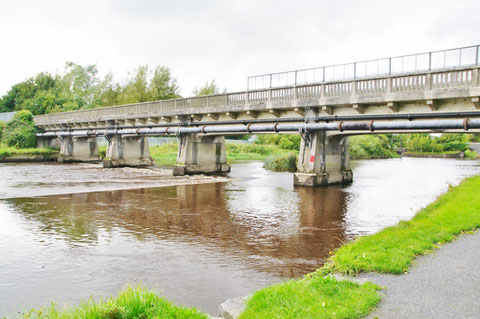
x=436, y=91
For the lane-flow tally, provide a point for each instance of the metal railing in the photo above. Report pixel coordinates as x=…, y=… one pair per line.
x=412, y=63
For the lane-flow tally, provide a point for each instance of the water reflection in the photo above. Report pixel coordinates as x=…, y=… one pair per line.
x=289, y=241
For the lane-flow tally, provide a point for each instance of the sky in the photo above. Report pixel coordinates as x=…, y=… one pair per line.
x=222, y=40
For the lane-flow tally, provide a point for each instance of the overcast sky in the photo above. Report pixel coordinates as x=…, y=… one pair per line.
x=222, y=40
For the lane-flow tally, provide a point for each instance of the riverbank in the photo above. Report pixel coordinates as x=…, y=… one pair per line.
x=446, y=154
x=391, y=250
x=12, y=154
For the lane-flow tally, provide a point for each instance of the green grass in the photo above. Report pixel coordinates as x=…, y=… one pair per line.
x=313, y=298
x=130, y=303
x=166, y=154
x=283, y=162
x=6, y=152
x=393, y=249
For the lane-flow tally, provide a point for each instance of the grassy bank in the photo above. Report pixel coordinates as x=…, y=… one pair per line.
x=391, y=250
x=25, y=153
x=166, y=154
x=130, y=303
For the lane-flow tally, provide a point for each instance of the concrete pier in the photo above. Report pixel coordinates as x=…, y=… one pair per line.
x=127, y=151
x=78, y=149
x=201, y=154
x=44, y=142
x=324, y=160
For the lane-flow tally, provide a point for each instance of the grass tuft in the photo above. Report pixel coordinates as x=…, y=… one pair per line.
x=130, y=303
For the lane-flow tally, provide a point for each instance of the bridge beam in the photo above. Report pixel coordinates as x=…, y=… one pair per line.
x=78, y=149
x=324, y=160
x=127, y=150
x=201, y=154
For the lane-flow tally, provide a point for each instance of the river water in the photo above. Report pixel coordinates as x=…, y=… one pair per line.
x=66, y=234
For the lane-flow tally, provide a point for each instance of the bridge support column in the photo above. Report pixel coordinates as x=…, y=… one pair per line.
x=127, y=151
x=324, y=160
x=78, y=149
x=48, y=142
x=201, y=154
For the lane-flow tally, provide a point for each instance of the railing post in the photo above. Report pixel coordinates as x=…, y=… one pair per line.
x=270, y=81
x=428, y=82
x=354, y=70
x=429, y=61
x=476, y=55
x=389, y=85
x=389, y=66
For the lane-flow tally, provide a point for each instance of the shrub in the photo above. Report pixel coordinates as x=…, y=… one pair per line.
x=286, y=142
x=2, y=126
x=282, y=162
x=20, y=131
x=370, y=146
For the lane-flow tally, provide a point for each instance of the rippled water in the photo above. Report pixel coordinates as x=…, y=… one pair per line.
x=196, y=244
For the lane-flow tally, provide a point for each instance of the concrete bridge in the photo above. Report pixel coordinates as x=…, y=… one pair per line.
x=429, y=97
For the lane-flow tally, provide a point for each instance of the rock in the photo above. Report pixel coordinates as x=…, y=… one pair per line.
x=232, y=308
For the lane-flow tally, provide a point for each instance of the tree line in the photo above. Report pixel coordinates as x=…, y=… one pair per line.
x=80, y=87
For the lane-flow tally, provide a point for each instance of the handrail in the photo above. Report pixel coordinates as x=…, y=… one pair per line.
x=427, y=61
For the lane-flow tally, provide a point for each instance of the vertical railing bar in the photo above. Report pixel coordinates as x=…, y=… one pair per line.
x=429, y=61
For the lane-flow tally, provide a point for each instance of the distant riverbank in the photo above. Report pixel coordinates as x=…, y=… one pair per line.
x=12, y=154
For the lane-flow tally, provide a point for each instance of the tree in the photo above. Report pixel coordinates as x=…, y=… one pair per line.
x=20, y=131
x=207, y=89
x=162, y=86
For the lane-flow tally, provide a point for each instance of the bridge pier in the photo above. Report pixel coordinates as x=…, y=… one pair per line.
x=78, y=149
x=324, y=160
x=48, y=142
x=127, y=151
x=201, y=154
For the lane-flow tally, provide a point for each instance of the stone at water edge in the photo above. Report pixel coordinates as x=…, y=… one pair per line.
x=232, y=308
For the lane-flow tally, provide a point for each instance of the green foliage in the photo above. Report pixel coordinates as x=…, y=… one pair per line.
x=393, y=249
x=283, y=162
x=207, y=89
x=79, y=87
x=313, y=298
x=129, y=304
x=284, y=141
x=2, y=127
x=20, y=131
x=370, y=146
x=471, y=154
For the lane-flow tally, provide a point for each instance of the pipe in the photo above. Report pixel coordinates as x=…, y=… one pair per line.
x=372, y=126
x=329, y=118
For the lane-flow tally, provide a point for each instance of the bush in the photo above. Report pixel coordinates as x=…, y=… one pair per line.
x=455, y=146
x=282, y=162
x=20, y=131
x=286, y=142
x=370, y=146
x=2, y=126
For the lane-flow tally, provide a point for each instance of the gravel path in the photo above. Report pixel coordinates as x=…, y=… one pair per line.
x=443, y=284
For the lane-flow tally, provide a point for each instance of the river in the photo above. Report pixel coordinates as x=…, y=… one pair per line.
x=73, y=231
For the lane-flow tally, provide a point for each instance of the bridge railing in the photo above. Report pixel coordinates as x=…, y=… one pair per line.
x=412, y=63
x=434, y=80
